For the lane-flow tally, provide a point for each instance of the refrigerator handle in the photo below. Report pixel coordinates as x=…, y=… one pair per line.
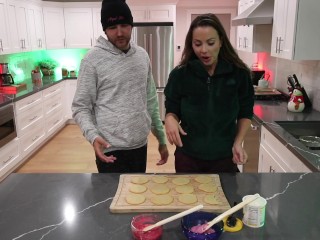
x=145, y=42
x=150, y=47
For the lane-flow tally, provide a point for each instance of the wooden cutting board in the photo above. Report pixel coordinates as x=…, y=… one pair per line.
x=119, y=204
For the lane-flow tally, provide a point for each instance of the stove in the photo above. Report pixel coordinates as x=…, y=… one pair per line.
x=272, y=97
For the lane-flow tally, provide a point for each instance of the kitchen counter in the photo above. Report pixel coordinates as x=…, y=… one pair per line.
x=267, y=112
x=76, y=206
x=47, y=81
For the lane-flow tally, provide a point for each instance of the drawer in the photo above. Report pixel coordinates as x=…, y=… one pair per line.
x=32, y=139
x=52, y=104
x=280, y=151
x=9, y=153
x=55, y=89
x=28, y=119
x=54, y=121
x=28, y=102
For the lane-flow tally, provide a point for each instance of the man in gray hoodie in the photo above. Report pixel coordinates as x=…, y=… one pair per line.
x=116, y=103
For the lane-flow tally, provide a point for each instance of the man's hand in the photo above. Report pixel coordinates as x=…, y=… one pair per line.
x=99, y=145
x=164, y=154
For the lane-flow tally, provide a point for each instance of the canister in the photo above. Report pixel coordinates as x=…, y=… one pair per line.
x=254, y=213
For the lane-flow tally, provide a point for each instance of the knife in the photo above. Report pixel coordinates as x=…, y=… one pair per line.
x=291, y=82
x=297, y=84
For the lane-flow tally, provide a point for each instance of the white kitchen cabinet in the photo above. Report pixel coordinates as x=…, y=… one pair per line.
x=275, y=157
x=71, y=87
x=36, y=27
x=78, y=27
x=18, y=20
x=54, y=27
x=296, y=32
x=160, y=13
x=10, y=157
x=253, y=38
x=97, y=27
x=53, y=108
x=4, y=29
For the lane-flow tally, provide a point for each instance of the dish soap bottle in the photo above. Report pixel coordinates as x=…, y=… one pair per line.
x=296, y=102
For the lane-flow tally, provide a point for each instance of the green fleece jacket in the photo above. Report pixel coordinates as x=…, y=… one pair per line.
x=209, y=106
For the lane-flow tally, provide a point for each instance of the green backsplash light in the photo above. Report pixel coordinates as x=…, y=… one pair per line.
x=21, y=64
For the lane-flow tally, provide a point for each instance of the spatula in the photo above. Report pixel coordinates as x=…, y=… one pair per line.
x=172, y=218
x=204, y=227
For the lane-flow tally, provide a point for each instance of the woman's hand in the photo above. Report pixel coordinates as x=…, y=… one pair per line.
x=173, y=129
x=99, y=145
x=164, y=154
x=239, y=154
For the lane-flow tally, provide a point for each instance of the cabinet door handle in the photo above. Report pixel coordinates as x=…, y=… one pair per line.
x=1, y=46
x=35, y=138
x=271, y=170
x=9, y=158
x=91, y=42
x=280, y=40
x=239, y=41
x=277, y=44
x=31, y=119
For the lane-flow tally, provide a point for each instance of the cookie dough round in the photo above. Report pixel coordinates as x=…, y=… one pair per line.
x=184, y=189
x=212, y=200
x=187, y=198
x=139, y=180
x=136, y=188
x=161, y=199
x=159, y=189
x=208, y=187
x=203, y=179
x=159, y=179
x=181, y=181
x=135, y=199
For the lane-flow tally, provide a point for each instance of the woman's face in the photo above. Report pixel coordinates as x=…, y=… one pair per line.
x=206, y=45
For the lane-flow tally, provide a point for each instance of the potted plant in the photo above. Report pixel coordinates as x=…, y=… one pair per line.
x=47, y=66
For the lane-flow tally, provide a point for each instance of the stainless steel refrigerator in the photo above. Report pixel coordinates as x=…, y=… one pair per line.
x=157, y=40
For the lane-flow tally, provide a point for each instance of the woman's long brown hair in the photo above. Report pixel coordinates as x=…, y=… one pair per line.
x=227, y=52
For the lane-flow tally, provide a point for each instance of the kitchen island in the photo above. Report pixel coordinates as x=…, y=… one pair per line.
x=76, y=206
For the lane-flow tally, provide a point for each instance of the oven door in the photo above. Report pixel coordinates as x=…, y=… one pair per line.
x=7, y=125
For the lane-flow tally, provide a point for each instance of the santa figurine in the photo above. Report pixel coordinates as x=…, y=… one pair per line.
x=296, y=102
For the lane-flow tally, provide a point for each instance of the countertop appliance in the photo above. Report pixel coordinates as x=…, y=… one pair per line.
x=157, y=40
x=7, y=125
x=5, y=76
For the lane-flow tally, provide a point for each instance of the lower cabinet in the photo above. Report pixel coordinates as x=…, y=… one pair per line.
x=31, y=140
x=10, y=157
x=71, y=87
x=275, y=157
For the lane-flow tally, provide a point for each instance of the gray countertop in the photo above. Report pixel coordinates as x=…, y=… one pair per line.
x=268, y=112
x=36, y=206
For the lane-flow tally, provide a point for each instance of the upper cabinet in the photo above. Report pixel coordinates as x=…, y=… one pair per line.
x=253, y=38
x=68, y=27
x=78, y=27
x=161, y=13
x=36, y=27
x=54, y=27
x=296, y=32
x=4, y=29
x=97, y=27
x=18, y=25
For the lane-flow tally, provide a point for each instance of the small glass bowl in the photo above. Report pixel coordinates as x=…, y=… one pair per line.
x=199, y=218
x=140, y=222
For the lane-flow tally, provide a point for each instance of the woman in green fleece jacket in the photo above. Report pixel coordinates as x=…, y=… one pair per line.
x=209, y=101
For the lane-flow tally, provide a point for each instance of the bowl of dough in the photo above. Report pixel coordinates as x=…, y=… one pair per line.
x=197, y=219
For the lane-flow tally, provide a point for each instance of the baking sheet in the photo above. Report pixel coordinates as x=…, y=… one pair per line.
x=119, y=204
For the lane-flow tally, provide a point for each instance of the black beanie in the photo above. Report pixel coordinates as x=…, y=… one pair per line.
x=115, y=12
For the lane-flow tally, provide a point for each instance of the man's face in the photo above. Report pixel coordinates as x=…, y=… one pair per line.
x=119, y=35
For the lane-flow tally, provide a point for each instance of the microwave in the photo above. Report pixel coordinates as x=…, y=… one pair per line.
x=7, y=125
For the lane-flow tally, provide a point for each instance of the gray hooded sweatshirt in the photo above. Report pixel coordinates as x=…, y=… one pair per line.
x=116, y=97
